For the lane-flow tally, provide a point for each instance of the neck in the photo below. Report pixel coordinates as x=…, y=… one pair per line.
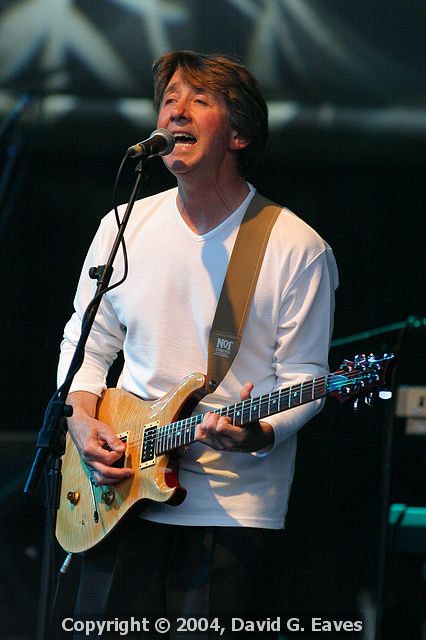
x=205, y=206
x=182, y=432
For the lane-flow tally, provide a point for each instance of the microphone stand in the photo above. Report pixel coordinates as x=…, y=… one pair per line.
x=51, y=438
x=411, y=323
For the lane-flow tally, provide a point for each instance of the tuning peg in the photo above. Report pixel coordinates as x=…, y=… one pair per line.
x=355, y=404
x=385, y=394
x=369, y=399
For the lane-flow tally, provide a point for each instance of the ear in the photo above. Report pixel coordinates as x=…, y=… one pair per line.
x=238, y=141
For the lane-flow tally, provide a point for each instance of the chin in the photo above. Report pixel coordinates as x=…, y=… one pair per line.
x=177, y=166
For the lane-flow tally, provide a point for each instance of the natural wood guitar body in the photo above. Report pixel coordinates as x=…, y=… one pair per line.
x=76, y=528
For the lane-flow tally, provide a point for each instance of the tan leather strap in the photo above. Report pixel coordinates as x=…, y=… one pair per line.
x=239, y=286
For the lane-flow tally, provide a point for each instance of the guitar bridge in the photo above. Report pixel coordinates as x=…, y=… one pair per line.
x=148, y=445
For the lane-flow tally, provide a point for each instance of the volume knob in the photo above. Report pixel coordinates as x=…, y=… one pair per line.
x=73, y=496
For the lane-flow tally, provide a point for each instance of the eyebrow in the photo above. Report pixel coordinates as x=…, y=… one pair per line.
x=175, y=86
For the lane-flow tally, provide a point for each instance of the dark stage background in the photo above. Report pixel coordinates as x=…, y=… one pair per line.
x=345, y=84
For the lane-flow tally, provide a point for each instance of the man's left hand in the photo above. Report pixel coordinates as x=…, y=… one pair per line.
x=219, y=433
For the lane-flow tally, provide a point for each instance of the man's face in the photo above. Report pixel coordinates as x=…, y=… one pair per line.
x=199, y=120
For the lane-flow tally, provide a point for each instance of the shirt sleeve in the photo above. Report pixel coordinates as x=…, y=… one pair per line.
x=106, y=337
x=303, y=338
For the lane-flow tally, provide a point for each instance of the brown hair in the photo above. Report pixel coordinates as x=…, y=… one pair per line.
x=227, y=75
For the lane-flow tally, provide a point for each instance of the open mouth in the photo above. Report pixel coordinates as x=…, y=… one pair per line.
x=184, y=138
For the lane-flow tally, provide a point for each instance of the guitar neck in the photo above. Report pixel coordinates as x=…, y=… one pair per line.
x=182, y=432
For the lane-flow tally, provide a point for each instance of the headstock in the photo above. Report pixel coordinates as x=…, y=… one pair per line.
x=366, y=376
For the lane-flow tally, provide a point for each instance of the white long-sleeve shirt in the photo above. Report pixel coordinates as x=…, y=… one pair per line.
x=161, y=317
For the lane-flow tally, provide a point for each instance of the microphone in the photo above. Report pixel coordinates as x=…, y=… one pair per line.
x=160, y=143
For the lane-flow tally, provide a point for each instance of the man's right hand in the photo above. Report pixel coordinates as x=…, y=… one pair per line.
x=96, y=441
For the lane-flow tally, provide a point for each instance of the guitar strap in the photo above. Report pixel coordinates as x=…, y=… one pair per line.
x=238, y=287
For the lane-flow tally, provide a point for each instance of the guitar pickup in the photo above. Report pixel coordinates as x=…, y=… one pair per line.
x=118, y=464
x=148, y=445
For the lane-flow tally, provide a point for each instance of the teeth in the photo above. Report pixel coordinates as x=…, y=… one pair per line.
x=183, y=137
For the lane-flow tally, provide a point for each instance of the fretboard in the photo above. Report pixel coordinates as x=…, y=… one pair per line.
x=182, y=432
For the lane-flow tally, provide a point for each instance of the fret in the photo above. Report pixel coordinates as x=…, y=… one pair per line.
x=278, y=401
x=180, y=433
x=253, y=409
x=160, y=440
x=242, y=412
x=295, y=394
x=301, y=393
x=168, y=438
x=263, y=406
x=278, y=405
x=196, y=420
x=248, y=411
x=285, y=395
x=307, y=391
x=187, y=432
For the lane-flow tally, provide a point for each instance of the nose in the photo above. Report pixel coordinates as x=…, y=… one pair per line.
x=180, y=110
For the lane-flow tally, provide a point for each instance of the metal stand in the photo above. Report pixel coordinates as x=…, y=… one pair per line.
x=412, y=323
x=51, y=438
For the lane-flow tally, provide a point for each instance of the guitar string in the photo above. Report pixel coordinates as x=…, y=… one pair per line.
x=177, y=428
x=281, y=395
x=265, y=400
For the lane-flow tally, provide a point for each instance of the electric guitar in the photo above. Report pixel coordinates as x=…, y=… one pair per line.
x=153, y=432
